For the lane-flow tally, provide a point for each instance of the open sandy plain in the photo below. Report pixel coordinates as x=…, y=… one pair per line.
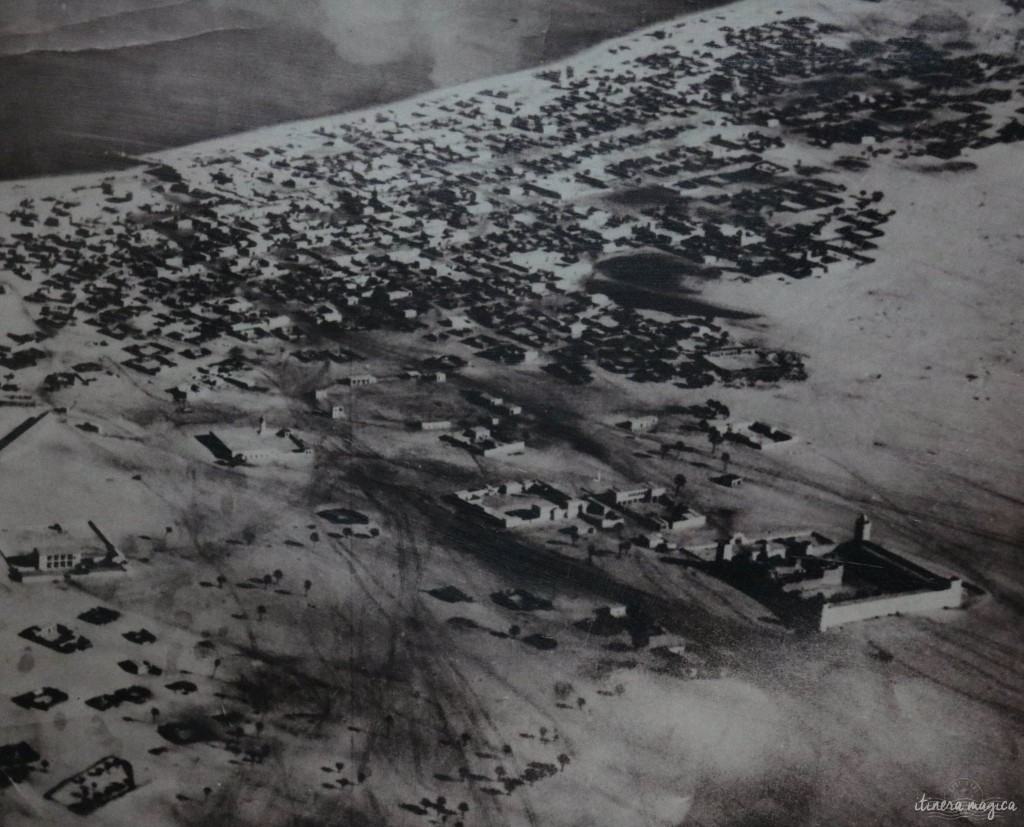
x=331, y=687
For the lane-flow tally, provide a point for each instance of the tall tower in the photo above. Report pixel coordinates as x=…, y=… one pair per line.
x=862, y=528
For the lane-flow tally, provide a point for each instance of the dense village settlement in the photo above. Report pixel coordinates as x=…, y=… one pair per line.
x=437, y=464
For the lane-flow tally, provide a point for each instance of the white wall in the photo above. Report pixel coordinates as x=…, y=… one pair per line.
x=836, y=614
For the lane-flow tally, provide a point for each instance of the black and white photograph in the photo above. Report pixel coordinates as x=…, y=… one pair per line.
x=511, y=413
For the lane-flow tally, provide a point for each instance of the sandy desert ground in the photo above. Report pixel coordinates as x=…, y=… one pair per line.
x=331, y=686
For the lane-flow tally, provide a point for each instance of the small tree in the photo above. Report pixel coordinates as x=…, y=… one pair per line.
x=278, y=576
x=261, y=612
x=680, y=481
x=221, y=580
x=716, y=439
x=307, y=586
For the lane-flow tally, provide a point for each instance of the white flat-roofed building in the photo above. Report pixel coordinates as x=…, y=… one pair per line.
x=435, y=425
x=58, y=560
x=637, y=494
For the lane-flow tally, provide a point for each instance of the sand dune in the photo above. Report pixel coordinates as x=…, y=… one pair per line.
x=84, y=85
x=135, y=27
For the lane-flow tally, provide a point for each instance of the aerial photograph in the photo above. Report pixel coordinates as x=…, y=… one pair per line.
x=484, y=413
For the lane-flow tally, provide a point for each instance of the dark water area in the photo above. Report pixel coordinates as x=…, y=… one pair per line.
x=656, y=281
x=88, y=86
